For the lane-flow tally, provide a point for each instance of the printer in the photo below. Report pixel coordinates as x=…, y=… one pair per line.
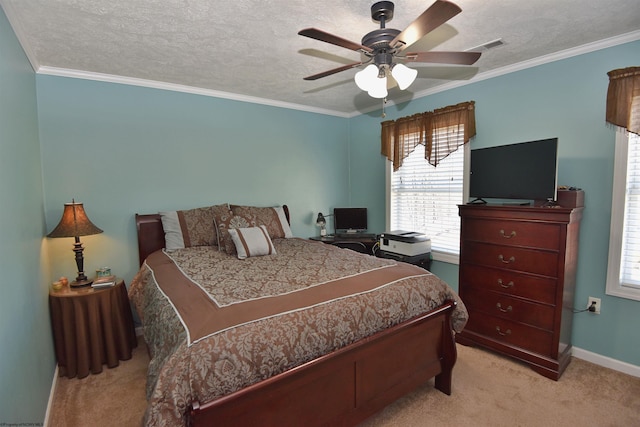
x=406, y=243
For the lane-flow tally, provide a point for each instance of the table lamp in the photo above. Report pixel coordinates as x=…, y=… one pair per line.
x=322, y=222
x=75, y=223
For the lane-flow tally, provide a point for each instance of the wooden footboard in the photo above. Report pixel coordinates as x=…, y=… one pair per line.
x=347, y=386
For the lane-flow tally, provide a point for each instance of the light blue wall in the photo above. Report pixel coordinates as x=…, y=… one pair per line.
x=26, y=348
x=564, y=99
x=122, y=149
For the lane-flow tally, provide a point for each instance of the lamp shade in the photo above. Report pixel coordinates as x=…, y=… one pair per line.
x=379, y=88
x=74, y=222
x=366, y=78
x=403, y=75
x=321, y=221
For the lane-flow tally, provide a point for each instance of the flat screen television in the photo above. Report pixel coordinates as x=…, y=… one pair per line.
x=350, y=219
x=523, y=171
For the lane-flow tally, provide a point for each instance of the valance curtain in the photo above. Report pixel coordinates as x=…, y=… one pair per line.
x=439, y=130
x=623, y=98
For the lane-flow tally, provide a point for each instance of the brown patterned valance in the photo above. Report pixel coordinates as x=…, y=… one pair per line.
x=623, y=98
x=400, y=137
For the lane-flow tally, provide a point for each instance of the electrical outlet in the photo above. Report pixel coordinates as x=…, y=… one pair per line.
x=596, y=303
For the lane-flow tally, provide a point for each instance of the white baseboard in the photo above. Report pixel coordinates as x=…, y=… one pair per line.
x=607, y=362
x=51, y=393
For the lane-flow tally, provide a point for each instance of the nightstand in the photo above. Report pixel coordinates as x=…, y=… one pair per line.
x=91, y=328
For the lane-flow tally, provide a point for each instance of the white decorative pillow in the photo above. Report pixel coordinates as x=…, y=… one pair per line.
x=252, y=241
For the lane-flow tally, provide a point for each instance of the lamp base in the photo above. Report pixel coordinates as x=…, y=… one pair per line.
x=80, y=283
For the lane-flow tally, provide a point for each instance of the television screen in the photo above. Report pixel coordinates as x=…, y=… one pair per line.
x=350, y=219
x=526, y=171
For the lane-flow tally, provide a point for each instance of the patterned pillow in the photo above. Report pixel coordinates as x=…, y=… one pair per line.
x=272, y=217
x=193, y=227
x=225, y=221
x=252, y=241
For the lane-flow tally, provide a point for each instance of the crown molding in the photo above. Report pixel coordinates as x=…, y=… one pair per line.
x=154, y=84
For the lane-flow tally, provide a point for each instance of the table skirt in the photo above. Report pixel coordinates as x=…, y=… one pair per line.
x=91, y=328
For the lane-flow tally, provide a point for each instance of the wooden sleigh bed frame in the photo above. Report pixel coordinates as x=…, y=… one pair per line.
x=341, y=388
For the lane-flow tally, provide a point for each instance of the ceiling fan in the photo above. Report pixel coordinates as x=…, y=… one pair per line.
x=383, y=47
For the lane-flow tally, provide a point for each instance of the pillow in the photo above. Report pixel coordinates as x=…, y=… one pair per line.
x=224, y=221
x=193, y=227
x=252, y=241
x=272, y=217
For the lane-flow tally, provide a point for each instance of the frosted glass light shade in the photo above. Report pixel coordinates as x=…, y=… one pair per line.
x=403, y=75
x=366, y=79
x=379, y=88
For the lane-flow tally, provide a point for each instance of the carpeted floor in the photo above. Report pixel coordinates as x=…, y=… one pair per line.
x=115, y=397
x=488, y=390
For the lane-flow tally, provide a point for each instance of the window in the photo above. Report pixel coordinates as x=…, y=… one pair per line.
x=424, y=198
x=623, y=273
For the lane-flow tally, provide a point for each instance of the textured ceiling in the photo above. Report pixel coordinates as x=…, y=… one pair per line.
x=250, y=48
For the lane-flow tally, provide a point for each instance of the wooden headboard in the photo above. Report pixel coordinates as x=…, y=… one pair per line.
x=151, y=233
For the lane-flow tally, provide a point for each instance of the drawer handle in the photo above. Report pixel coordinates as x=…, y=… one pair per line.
x=510, y=260
x=504, y=310
x=512, y=234
x=505, y=333
x=507, y=286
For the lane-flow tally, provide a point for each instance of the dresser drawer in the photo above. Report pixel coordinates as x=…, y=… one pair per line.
x=506, y=307
x=536, y=288
x=513, y=233
x=511, y=258
x=511, y=333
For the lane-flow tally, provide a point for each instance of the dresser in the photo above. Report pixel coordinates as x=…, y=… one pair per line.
x=517, y=279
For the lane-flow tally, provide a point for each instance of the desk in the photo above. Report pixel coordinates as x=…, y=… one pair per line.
x=421, y=260
x=350, y=242
x=91, y=328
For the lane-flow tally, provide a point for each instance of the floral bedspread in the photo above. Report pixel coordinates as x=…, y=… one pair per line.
x=215, y=324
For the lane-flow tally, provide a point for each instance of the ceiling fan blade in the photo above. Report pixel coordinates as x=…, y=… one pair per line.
x=437, y=14
x=333, y=71
x=323, y=36
x=460, y=58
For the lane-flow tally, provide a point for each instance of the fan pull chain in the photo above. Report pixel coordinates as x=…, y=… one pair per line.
x=384, y=101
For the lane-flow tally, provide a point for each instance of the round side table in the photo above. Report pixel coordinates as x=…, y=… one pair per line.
x=91, y=328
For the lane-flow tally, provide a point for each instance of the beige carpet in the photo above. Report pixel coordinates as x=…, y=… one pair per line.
x=488, y=390
x=115, y=397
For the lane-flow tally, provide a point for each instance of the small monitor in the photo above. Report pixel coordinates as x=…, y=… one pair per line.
x=350, y=219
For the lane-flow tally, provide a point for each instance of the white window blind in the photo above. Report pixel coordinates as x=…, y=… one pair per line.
x=623, y=273
x=424, y=198
x=630, y=265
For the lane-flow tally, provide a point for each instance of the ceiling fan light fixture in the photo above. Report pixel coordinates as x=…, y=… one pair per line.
x=379, y=48
x=403, y=75
x=366, y=79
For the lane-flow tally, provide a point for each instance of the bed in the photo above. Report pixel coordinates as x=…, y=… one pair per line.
x=320, y=347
